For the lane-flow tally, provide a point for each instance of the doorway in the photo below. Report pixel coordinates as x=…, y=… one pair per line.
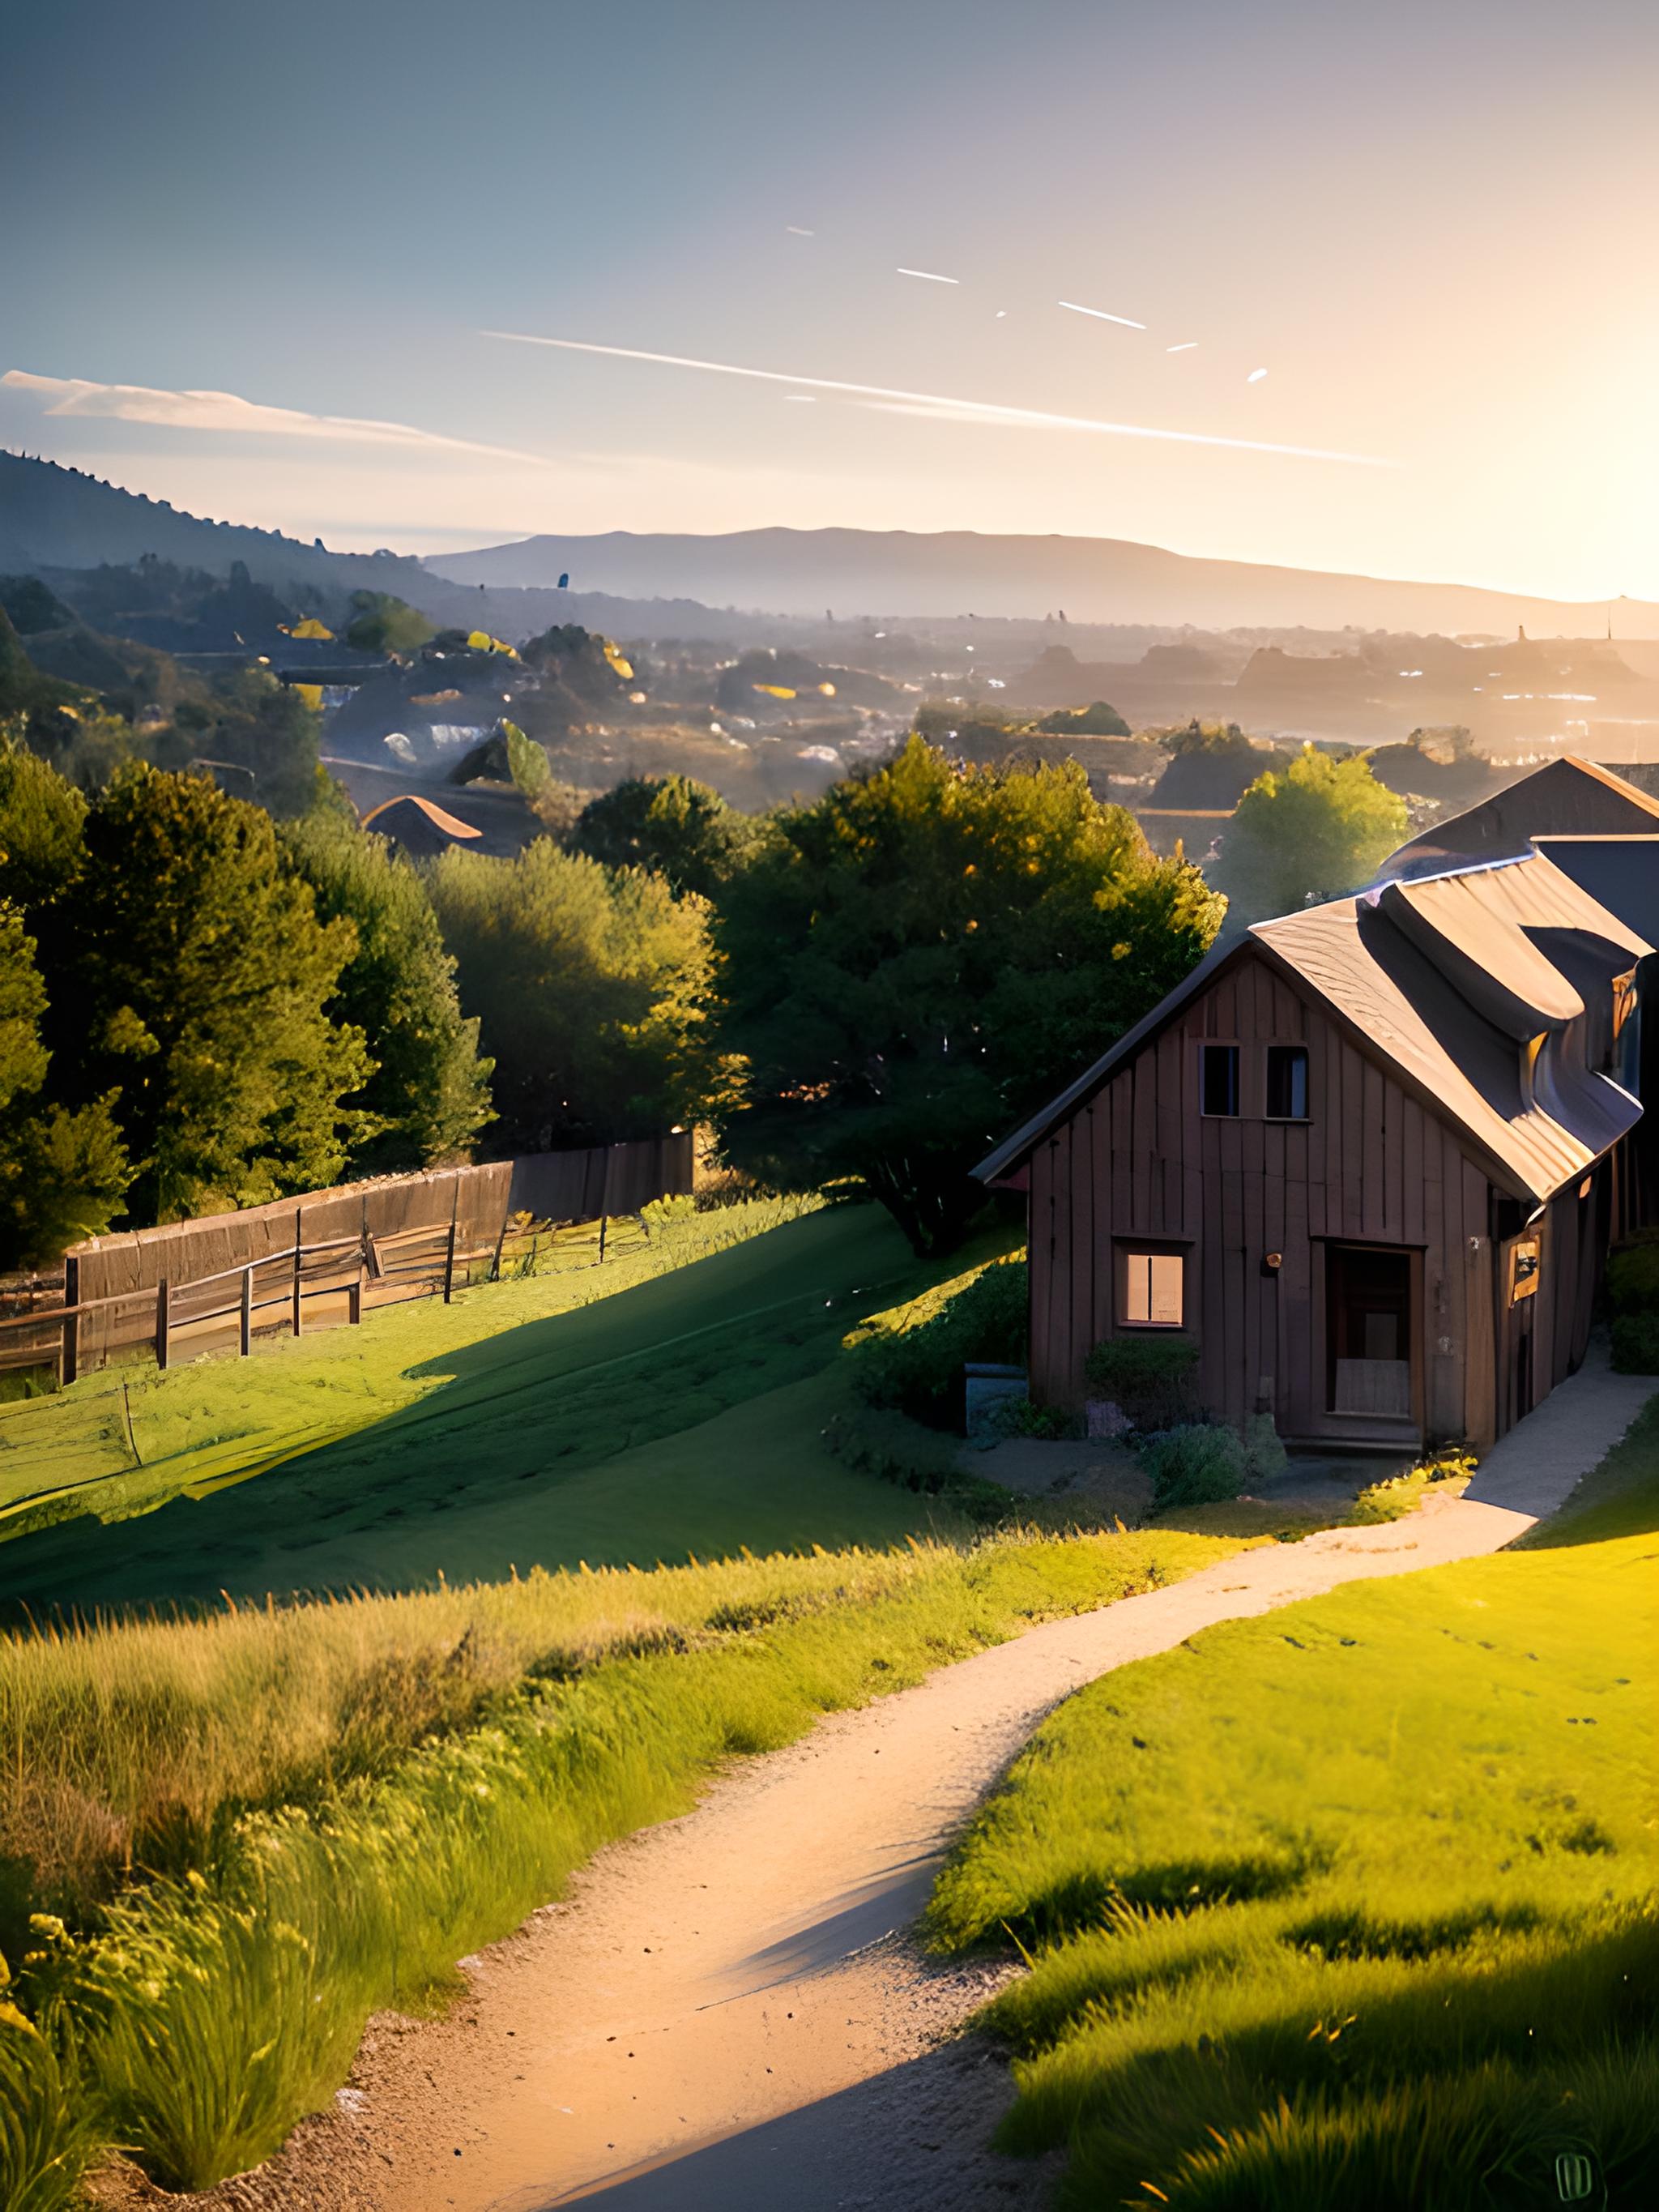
x=1368, y=1331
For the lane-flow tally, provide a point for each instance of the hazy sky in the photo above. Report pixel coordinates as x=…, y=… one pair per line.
x=1434, y=224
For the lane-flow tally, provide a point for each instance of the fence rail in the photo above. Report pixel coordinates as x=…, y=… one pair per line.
x=325, y=1281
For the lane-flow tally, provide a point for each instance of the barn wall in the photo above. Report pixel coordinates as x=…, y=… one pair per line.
x=1370, y=1164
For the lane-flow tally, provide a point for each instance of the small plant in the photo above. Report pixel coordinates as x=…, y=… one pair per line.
x=1195, y=1464
x=1152, y=1379
x=1018, y=1417
x=1265, y=1455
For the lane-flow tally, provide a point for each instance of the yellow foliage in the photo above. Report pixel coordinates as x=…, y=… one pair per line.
x=481, y=641
x=313, y=695
x=776, y=691
x=618, y=659
x=310, y=628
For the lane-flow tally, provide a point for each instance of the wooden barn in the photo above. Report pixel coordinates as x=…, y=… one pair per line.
x=1368, y=1157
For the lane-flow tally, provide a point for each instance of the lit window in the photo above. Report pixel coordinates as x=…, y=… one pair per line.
x=1152, y=1288
x=1287, y=1083
x=1219, y=1064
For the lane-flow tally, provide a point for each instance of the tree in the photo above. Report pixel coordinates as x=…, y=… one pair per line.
x=428, y=1095
x=190, y=973
x=63, y=1174
x=381, y=623
x=589, y=985
x=41, y=819
x=926, y=954
x=1099, y=720
x=1311, y=830
x=677, y=829
x=255, y=736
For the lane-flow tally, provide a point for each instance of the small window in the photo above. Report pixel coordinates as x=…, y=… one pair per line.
x=1219, y=1064
x=1153, y=1288
x=1287, y=1083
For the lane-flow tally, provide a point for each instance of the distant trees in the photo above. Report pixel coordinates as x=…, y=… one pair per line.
x=1317, y=828
x=187, y=976
x=677, y=829
x=255, y=736
x=381, y=623
x=1099, y=720
x=924, y=954
x=590, y=987
x=428, y=1096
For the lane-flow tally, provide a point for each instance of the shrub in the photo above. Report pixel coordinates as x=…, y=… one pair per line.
x=1018, y=1417
x=1633, y=1277
x=1636, y=1343
x=1194, y=1465
x=919, y=1369
x=1151, y=1378
x=1265, y=1455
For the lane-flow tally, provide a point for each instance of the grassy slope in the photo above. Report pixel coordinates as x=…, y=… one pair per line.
x=517, y=1428
x=1390, y=1855
x=217, y=2006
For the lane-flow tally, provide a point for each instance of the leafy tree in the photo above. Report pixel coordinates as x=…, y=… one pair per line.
x=926, y=954
x=63, y=1174
x=381, y=623
x=590, y=989
x=1099, y=720
x=428, y=1095
x=677, y=829
x=1313, y=829
x=41, y=819
x=257, y=737
x=190, y=972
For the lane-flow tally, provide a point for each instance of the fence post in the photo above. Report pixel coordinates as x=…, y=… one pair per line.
x=248, y=1310
x=163, y=1322
x=69, y=1355
x=449, y=1260
x=605, y=1205
x=299, y=1255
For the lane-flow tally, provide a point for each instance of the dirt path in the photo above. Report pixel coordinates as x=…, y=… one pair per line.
x=725, y=2013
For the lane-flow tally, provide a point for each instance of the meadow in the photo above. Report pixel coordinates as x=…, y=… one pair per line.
x=259, y=1827
x=1354, y=1907
x=669, y=1403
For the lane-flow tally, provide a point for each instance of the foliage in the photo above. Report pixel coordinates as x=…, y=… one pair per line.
x=1198, y=1464
x=1151, y=1379
x=190, y=973
x=427, y=1095
x=41, y=819
x=526, y=761
x=1636, y=1343
x=220, y=2004
x=913, y=1357
x=677, y=829
x=256, y=737
x=1320, y=1907
x=924, y=955
x=45, y=2123
x=381, y=623
x=1317, y=830
x=1632, y=1284
x=1022, y=1416
x=1098, y=720
x=589, y=987
x=63, y=1174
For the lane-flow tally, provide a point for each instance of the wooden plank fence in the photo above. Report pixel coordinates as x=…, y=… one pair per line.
x=321, y=1281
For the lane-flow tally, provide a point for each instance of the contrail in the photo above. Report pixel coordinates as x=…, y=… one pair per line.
x=931, y=277
x=1101, y=315
x=966, y=409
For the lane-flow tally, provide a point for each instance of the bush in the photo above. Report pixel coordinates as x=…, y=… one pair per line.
x=1151, y=1379
x=1633, y=1277
x=1018, y=1417
x=1194, y=1465
x=919, y=1369
x=1636, y=1343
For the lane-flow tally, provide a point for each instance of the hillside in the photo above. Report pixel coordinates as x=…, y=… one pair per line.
x=1101, y=580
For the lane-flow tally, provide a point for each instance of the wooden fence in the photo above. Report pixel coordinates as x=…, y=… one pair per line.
x=285, y=1272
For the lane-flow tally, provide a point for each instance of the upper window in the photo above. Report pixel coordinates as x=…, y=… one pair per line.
x=1219, y=1064
x=1287, y=1083
x=1153, y=1289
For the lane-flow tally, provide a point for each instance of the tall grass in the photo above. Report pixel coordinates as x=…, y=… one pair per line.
x=45, y=2132
x=1356, y=1906
x=218, y=2004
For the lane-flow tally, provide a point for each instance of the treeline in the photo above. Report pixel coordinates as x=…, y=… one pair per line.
x=204, y=1007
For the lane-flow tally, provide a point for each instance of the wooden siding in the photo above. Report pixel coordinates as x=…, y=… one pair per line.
x=1371, y=1165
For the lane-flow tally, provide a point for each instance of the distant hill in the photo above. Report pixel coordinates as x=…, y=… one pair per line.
x=1094, y=580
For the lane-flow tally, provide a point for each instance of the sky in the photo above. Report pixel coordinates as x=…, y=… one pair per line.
x=277, y=265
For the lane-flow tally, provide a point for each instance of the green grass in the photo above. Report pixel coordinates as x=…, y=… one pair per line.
x=218, y=2003
x=1354, y=1907
x=651, y=1410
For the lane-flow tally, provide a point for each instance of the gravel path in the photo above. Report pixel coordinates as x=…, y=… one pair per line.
x=725, y=2012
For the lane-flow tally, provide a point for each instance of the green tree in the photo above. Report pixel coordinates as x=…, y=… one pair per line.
x=381, y=623
x=676, y=827
x=1100, y=721
x=589, y=985
x=191, y=973
x=428, y=1095
x=63, y=1174
x=41, y=819
x=926, y=954
x=1314, y=830
x=256, y=737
